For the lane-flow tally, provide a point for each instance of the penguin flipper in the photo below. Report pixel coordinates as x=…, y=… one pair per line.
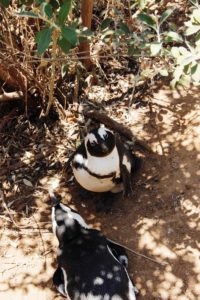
x=59, y=282
x=80, y=149
x=136, y=163
x=125, y=168
x=119, y=252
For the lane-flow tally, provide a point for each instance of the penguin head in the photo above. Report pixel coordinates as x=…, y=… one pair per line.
x=66, y=222
x=100, y=142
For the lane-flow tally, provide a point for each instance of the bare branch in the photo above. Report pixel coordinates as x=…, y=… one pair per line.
x=11, y=96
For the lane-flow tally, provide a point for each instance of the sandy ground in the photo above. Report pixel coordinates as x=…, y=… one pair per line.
x=162, y=221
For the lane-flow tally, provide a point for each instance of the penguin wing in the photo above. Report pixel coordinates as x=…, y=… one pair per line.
x=79, y=156
x=132, y=289
x=119, y=252
x=60, y=281
x=80, y=150
x=125, y=168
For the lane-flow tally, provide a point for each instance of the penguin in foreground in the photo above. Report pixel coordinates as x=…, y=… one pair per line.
x=89, y=265
x=103, y=164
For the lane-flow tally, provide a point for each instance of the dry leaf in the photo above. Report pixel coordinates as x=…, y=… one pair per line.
x=27, y=182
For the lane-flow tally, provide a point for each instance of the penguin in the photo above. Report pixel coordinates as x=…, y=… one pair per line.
x=90, y=266
x=103, y=164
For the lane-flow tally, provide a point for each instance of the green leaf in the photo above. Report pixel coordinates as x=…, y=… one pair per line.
x=69, y=34
x=134, y=51
x=175, y=52
x=192, y=29
x=5, y=3
x=183, y=51
x=64, y=45
x=46, y=9
x=107, y=33
x=197, y=38
x=196, y=15
x=43, y=39
x=142, y=3
x=173, y=83
x=86, y=32
x=27, y=14
x=172, y=26
x=54, y=4
x=64, y=11
x=155, y=48
x=148, y=73
x=173, y=37
x=193, y=69
x=148, y=20
x=119, y=32
x=185, y=80
x=165, y=15
x=124, y=27
x=194, y=2
x=178, y=72
x=187, y=69
x=187, y=60
x=163, y=72
x=106, y=23
x=82, y=39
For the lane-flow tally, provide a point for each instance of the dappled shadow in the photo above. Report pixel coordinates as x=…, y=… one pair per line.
x=162, y=221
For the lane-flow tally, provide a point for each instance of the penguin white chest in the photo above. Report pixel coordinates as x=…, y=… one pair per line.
x=96, y=173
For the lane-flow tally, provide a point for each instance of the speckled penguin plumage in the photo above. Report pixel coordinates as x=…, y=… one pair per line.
x=89, y=266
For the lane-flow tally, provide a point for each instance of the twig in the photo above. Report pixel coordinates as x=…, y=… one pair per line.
x=139, y=254
x=20, y=198
x=5, y=218
x=11, y=96
x=76, y=86
x=43, y=244
x=38, y=227
x=7, y=209
x=53, y=69
x=21, y=164
x=136, y=79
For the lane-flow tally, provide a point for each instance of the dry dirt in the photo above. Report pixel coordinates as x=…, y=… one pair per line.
x=162, y=221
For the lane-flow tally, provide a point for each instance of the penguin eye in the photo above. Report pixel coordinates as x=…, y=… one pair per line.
x=93, y=144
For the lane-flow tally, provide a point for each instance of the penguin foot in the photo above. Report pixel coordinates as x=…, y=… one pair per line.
x=128, y=194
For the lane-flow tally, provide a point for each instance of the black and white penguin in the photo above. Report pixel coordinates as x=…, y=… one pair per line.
x=102, y=163
x=89, y=266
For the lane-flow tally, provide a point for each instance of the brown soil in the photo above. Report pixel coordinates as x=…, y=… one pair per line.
x=161, y=221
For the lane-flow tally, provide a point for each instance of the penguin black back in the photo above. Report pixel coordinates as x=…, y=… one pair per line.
x=87, y=268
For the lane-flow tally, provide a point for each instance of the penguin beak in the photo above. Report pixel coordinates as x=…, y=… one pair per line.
x=104, y=148
x=53, y=197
